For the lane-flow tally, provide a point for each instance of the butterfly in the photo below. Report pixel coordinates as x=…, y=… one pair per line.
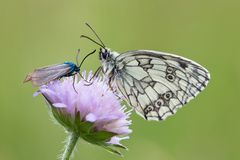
x=44, y=75
x=154, y=83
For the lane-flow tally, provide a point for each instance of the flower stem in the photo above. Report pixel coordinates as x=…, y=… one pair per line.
x=70, y=145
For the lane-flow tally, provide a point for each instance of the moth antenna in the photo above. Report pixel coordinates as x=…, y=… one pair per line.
x=78, y=52
x=96, y=34
x=86, y=57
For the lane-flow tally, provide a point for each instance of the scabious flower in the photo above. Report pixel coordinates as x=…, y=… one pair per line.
x=91, y=112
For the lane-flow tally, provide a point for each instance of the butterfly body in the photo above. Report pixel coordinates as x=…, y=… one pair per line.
x=154, y=83
x=107, y=58
x=50, y=73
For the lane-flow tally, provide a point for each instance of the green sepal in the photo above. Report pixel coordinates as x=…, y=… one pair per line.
x=82, y=127
x=100, y=136
x=111, y=149
x=71, y=123
x=120, y=146
x=62, y=118
x=85, y=130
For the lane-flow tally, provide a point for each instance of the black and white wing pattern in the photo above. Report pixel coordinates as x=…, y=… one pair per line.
x=156, y=84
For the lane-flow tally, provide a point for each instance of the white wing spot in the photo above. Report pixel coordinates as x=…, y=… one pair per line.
x=136, y=72
x=152, y=94
x=133, y=63
x=143, y=100
x=160, y=88
x=133, y=100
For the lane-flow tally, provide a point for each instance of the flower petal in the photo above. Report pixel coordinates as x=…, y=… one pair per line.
x=116, y=140
x=91, y=117
x=59, y=105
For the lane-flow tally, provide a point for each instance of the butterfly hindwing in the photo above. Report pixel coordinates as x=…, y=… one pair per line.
x=157, y=83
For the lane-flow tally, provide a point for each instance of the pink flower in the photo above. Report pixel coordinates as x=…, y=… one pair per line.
x=93, y=112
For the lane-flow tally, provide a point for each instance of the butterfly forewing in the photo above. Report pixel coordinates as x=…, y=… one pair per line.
x=156, y=84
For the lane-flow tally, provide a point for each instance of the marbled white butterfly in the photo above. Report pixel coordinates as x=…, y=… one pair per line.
x=154, y=83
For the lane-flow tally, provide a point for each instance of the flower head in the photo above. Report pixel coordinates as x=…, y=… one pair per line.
x=93, y=112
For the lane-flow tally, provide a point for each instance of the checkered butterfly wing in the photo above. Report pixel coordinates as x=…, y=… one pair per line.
x=156, y=84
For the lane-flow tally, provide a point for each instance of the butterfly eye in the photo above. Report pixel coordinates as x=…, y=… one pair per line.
x=104, y=55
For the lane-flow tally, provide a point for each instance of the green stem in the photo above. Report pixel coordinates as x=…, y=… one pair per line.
x=69, y=147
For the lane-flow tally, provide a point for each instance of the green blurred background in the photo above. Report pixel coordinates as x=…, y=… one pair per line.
x=35, y=33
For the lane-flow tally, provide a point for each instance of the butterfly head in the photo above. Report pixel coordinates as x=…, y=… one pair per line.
x=104, y=54
x=107, y=58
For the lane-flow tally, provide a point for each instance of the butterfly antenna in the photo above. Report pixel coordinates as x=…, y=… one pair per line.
x=96, y=34
x=86, y=57
x=83, y=36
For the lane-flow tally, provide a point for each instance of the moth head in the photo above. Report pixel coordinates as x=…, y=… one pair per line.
x=104, y=54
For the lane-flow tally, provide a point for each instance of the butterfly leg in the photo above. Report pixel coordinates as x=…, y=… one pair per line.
x=115, y=92
x=109, y=84
x=96, y=74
